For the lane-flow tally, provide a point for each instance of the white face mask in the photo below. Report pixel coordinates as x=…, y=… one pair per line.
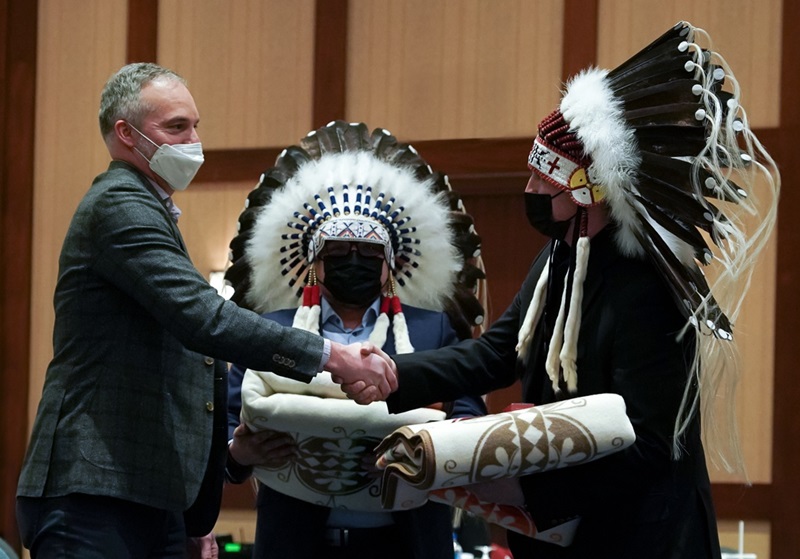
x=177, y=164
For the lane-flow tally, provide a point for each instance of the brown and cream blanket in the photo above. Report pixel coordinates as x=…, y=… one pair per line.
x=438, y=461
x=332, y=435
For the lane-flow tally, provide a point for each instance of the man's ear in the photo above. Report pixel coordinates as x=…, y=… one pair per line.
x=124, y=133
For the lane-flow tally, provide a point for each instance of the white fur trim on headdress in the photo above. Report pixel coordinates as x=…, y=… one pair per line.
x=307, y=318
x=553, y=361
x=426, y=260
x=533, y=314
x=402, y=343
x=569, y=352
x=390, y=305
x=596, y=115
x=380, y=330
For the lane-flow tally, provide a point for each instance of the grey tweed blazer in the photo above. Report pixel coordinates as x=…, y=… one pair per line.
x=128, y=400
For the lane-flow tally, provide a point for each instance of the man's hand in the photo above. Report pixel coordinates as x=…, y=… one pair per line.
x=202, y=548
x=365, y=372
x=267, y=448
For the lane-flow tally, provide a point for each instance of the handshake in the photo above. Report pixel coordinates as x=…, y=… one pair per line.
x=364, y=371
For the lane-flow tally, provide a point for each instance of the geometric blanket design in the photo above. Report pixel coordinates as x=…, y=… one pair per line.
x=440, y=457
x=509, y=517
x=332, y=434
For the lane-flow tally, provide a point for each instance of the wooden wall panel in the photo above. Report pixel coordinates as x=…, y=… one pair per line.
x=142, y=40
x=756, y=537
x=747, y=33
x=785, y=513
x=508, y=251
x=212, y=212
x=72, y=68
x=18, y=37
x=755, y=329
x=474, y=68
x=330, y=61
x=249, y=66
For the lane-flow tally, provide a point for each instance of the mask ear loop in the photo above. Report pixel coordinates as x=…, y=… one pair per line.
x=142, y=134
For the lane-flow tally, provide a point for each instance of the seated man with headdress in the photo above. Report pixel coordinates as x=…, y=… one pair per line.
x=364, y=222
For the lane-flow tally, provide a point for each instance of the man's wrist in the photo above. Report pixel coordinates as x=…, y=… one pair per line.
x=234, y=471
x=326, y=355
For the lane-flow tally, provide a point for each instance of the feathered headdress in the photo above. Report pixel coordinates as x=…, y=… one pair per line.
x=343, y=182
x=671, y=154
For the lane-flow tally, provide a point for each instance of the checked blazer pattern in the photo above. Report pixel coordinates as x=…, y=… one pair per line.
x=128, y=401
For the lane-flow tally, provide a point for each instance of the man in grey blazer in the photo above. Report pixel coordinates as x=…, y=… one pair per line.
x=131, y=428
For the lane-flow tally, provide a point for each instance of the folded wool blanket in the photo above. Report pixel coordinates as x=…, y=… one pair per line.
x=332, y=433
x=433, y=460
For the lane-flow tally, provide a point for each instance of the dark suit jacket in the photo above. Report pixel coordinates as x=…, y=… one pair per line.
x=429, y=528
x=634, y=504
x=128, y=401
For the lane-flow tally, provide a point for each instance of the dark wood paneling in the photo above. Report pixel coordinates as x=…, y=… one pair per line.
x=785, y=517
x=579, y=44
x=330, y=62
x=786, y=427
x=509, y=245
x=17, y=111
x=741, y=502
x=488, y=158
x=501, y=162
x=240, y=497
x=234, y=165
x=142, y=31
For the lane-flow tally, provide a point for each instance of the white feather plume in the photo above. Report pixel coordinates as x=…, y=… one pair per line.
x=430, y=282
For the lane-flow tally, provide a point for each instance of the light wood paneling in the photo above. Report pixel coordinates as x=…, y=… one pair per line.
x=755, y=331
x=249, y=66
x=453, y=69
x=240, y=524
x=209, y=219
x=81, y=43
x=756, y=537
x=747, y=33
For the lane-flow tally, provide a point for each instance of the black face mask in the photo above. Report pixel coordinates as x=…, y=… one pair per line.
x=539, y=210
x=353, y=279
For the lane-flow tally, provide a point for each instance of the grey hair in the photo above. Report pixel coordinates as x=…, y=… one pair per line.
x=121, y=96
